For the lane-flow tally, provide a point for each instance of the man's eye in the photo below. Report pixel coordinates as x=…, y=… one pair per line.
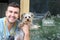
x=10, y=11
x=16, y=12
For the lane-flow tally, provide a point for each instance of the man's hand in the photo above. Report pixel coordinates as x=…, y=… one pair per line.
x=26, y=31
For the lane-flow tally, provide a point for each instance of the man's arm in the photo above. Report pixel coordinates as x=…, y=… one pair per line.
x=26, y=31
x=1, y=32
x=0, y=35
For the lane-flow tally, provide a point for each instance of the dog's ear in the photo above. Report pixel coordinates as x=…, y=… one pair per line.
x=22, y=15
x=32, y=14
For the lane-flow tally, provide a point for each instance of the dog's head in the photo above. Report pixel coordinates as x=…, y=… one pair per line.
x=28, y=17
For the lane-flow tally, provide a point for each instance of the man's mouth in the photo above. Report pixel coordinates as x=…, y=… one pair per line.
x=12, y=18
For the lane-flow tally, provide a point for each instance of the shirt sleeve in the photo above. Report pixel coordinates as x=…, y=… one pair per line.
x=1, y=36
x=1, y=29
x=1, y=33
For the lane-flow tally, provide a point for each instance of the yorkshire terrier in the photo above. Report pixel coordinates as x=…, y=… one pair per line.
x=27, y=18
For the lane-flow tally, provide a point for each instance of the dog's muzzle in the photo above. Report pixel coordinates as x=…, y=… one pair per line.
x=27, y=19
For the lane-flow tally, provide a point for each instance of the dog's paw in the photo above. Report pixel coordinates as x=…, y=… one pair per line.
x=35, y=27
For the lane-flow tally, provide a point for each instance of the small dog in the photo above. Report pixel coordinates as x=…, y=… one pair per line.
x=27, y=18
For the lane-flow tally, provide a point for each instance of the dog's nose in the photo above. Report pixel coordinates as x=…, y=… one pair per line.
x=27, y=19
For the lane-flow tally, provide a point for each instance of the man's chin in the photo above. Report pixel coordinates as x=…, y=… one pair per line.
x=11, y=22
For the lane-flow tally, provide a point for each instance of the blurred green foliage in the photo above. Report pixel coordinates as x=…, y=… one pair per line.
x=46, y=32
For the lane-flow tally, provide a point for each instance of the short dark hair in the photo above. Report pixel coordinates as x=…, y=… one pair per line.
x=14, y=4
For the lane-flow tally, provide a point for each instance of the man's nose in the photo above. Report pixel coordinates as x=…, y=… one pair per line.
x=12, y=14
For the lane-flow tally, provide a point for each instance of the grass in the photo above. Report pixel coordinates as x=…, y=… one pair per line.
x=46, y=32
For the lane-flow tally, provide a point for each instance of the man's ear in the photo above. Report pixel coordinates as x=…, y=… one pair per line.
x=19, y=16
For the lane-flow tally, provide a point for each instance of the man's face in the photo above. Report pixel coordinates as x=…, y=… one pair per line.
x=12, y=14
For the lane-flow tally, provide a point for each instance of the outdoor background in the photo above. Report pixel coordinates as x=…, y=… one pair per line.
x=40, y=9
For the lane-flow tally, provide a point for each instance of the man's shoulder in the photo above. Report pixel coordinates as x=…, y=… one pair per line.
x=2, y=19
x=1, y=24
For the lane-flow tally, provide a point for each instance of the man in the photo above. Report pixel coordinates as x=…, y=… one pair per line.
x=8, y=24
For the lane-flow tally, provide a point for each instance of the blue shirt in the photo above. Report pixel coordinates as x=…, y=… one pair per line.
x=4, y=32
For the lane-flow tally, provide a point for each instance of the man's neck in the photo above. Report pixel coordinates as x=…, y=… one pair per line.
x=10, y=25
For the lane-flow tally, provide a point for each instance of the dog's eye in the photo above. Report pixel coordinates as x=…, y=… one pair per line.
x=25, y=17
x=29, y=16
